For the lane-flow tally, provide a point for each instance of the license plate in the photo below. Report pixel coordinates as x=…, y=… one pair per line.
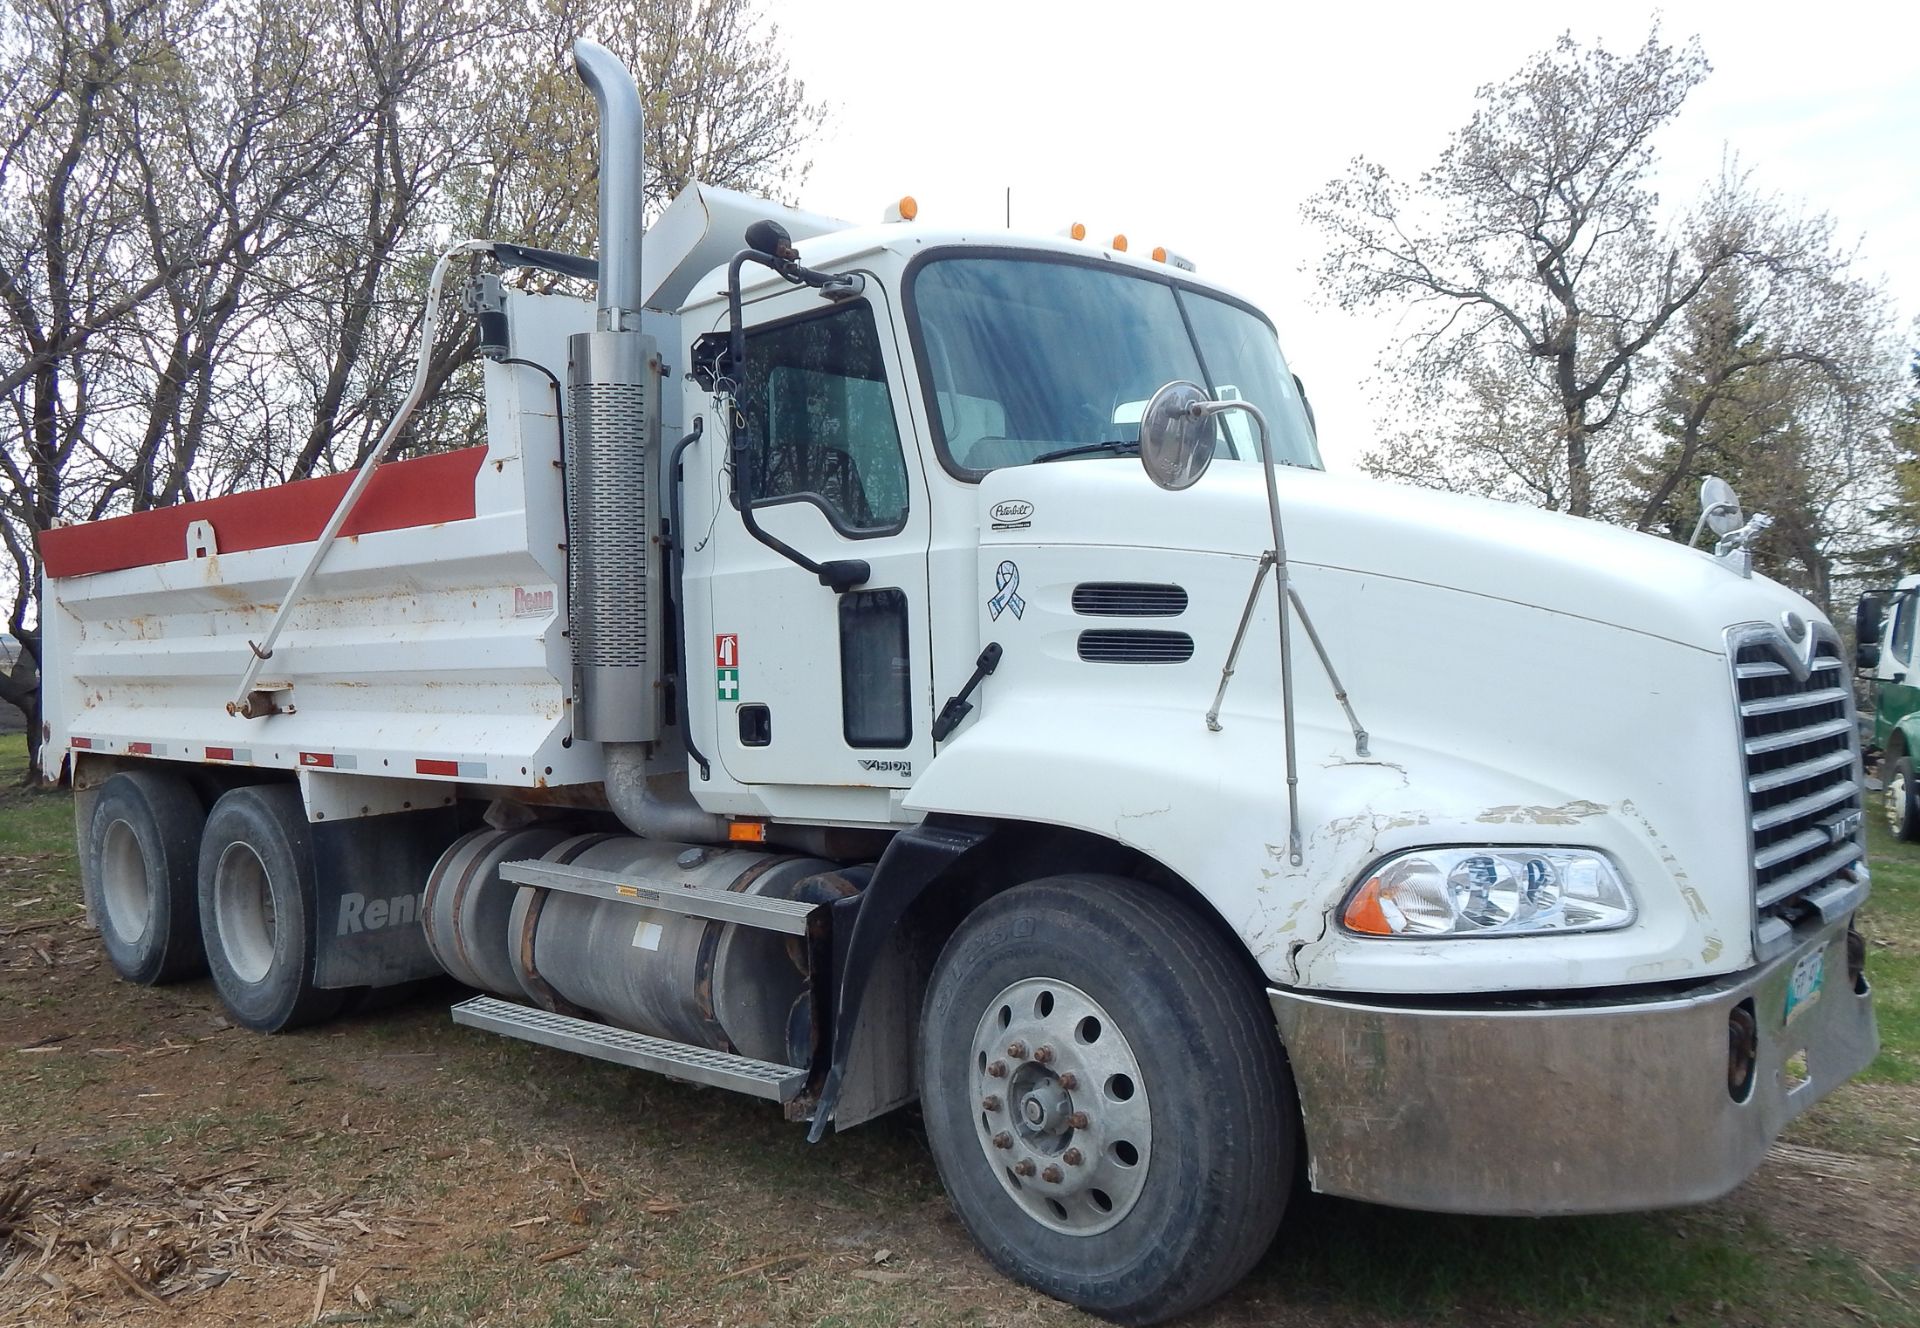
x=1804, y=983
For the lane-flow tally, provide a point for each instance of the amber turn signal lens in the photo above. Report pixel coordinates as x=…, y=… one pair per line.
x=747, y=832
x=1364, y=913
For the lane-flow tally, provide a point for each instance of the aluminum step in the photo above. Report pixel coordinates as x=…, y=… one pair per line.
x=700, y=1065
x=782, y=915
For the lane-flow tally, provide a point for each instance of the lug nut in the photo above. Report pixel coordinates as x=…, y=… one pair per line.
x=1017, y=1050
x=991, y=1102
x=1072, y=1157
x=997, y=1070
x=1078, y=1120
x=1043, y=1054
x=1024, y=1167
x=1003, y=1140
x=1051, y=1175
x=1069, y=1081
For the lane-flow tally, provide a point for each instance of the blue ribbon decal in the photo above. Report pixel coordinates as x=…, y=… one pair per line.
x=1006, y=579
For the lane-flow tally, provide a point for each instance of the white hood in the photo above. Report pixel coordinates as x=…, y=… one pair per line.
x=1506, y=551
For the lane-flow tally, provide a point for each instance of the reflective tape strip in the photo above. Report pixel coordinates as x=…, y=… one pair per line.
x=324, y=760
x=455, y=769
x=81, y=742
x=139, y=749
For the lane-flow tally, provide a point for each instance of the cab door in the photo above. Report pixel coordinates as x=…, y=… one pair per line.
x=1896, y=688
x=810, y=686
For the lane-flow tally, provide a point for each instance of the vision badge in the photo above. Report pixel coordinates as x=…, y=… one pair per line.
x=1006, y=581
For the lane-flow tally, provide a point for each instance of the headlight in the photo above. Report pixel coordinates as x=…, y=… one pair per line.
x=1489, y=892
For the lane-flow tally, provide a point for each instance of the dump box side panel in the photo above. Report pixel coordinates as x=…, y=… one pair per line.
x=430, y=647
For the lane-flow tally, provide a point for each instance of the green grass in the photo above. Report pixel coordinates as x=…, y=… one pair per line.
x=36, y=844
x=748, y=1188
x=1891, y=924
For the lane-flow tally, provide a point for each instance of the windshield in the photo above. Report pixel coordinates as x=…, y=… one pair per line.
x=1027, y=358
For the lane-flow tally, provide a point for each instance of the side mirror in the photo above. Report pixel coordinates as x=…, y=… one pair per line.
x=1868, y=617
x=1720, y=506
x=1177, y=435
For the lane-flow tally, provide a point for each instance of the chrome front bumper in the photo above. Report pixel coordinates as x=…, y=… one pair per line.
x=1575, y=1106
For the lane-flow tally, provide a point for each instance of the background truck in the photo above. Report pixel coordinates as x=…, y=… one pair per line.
x=806, y=691
x=1884, y=623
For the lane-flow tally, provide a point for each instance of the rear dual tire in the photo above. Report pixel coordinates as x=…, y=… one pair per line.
x=137, y=874
x=256, y=890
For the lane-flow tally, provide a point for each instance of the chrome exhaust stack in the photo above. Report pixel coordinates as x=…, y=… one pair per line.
x=622, y=178
x=613, y=397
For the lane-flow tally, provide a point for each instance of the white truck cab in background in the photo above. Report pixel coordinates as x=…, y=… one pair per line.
x=807, y=690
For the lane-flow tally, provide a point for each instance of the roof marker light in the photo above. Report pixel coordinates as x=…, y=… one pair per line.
x=1077, y=231
x=1162, y=254
x=1119, y=244
x=906, y=209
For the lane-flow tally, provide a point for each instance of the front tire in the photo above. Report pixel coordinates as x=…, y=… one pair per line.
x=1106, y=1098
x=1903, y=815
x=256, y=909
x=138, y=876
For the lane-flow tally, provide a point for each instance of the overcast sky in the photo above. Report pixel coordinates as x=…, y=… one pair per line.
x=1203, y=125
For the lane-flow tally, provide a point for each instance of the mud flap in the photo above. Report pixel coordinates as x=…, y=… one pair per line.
x=369, y=876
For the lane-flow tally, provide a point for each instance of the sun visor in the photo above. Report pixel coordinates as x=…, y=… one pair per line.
x=702, y=229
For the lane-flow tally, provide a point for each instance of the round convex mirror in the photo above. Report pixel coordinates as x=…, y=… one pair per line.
x=1176, y=441
x=1720, y=506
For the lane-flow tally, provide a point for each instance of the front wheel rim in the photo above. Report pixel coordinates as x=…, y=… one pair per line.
x=1060, y=1106
x=1896, y=802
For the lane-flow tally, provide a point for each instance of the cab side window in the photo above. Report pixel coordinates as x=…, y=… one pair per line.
x=819, y=415
x=1902, y=640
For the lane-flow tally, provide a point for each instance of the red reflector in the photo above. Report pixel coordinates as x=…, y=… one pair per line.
x=139, y=749
x=322, y=759
x=82, y=742
x=219, y=753
x=422, y=766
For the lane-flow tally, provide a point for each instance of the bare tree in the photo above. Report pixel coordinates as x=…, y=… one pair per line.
x=219, y=216
x=1543, y=286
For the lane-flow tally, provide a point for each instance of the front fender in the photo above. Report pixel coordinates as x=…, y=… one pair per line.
x=1212, y=808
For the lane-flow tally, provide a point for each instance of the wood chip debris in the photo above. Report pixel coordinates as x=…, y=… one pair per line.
x=71, y=1233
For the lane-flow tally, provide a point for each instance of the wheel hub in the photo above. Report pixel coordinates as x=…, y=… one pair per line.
x=1896, y=796
x=1062, y=1117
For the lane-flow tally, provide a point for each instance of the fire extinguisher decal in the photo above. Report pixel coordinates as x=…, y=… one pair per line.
x=726, y=665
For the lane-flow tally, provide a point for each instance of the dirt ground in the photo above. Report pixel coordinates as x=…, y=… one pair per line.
x=158, y=1165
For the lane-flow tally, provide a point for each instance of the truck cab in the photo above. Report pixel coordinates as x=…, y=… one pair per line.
x=1884, y=654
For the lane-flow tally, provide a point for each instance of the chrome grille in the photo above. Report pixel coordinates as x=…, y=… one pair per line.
x=1798, y=742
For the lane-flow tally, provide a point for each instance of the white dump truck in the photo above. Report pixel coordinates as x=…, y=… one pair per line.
x=878, y=663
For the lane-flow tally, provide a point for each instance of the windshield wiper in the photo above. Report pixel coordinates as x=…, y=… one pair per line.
x=1113, y=446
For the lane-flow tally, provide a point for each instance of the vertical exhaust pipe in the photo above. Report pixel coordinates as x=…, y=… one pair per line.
x=613, y=397
x=622, y=177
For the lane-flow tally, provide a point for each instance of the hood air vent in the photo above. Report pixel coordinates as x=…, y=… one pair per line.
x=1133, y=646
x=1129, y=599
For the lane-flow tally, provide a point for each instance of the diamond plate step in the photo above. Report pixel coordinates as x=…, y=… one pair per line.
x=742, y=1074
x=782, y=915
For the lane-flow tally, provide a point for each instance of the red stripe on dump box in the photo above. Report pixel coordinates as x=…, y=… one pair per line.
x=322, y=759
x=422, y=492
x=422, y=766
x=139, y=749
x=219, y=753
